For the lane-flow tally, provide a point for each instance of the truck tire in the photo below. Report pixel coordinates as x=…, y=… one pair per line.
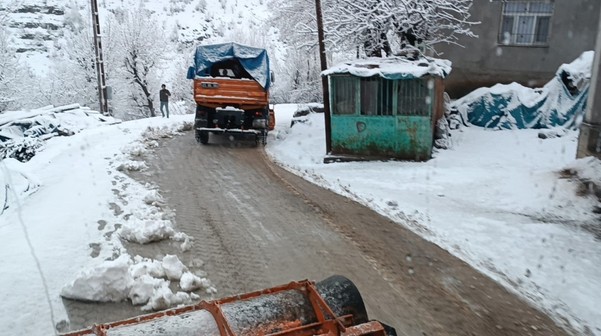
x=202, y=137
x=264, y=138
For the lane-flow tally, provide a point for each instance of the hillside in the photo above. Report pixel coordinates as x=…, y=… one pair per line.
x=37, y=27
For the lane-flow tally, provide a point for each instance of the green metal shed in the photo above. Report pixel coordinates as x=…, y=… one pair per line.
x=385, y=107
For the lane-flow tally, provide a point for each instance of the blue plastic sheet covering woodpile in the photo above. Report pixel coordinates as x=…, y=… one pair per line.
x=560, y=103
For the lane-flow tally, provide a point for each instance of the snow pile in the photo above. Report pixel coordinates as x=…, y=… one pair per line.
x=144, y=218
x=190, y=282
x=561, y=102
x=150, y=220
x=109, y=281
x=142, y=281
x=147, y=231
x=22, y=132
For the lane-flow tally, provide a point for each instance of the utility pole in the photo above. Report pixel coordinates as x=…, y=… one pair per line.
x=324, y=79
x=589, y=140
x=102, y=97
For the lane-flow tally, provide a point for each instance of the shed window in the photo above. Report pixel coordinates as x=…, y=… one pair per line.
x=376, y=96
x=413, y=97
x=526, y=23
x=344, y=94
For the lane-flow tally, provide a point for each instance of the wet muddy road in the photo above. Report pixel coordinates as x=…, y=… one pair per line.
x=256, y=225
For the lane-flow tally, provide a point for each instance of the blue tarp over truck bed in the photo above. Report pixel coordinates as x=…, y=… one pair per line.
x=254, y=60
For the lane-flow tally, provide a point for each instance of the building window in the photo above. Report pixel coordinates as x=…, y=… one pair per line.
x=526, y=23
x=376, y=96
x=414, y=98
x=344, y=95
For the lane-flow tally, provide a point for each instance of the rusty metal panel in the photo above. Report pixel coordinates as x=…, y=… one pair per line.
x=399, y=137
x=378, y=117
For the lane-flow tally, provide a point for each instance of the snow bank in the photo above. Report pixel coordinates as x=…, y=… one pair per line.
x=146, y=219
x=561, y=102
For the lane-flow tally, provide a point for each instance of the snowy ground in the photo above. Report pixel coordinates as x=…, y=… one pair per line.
x=68, y=207
x=496, y=200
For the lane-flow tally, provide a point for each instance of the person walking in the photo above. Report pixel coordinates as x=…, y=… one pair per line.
x=164, y=95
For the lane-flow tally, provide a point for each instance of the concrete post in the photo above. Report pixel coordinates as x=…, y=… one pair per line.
x=589, y=141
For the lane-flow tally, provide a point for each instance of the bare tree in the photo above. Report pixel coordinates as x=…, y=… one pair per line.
x=142, y=46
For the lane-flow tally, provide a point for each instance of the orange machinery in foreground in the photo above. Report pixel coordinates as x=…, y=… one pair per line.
x=332, y=307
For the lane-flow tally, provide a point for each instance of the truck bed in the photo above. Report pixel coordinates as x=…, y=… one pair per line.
x=216, y=92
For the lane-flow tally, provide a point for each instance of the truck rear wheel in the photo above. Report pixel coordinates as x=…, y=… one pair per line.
x=202, y=137
x=264, y=138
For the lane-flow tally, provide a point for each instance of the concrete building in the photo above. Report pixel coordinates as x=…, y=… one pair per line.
x=520, y=41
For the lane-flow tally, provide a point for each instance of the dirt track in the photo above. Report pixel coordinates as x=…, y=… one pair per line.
x=256, y=225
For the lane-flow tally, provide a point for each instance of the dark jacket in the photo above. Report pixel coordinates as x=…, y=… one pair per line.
x=164, y=95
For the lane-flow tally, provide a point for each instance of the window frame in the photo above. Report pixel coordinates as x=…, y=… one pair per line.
x=532, y=33
x=396, y=87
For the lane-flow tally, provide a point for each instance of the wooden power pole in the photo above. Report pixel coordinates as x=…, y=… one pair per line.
x=324, y=79
x=102, y=97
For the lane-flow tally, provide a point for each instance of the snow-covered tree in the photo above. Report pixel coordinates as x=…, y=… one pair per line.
x=73, y=76
x=376, y=24
x=140, y=47
x=299, y=77
x=295, y=21
x=12, y=73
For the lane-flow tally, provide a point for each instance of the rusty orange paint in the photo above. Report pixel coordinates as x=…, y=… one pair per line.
x=244, y=94
x=328, y=324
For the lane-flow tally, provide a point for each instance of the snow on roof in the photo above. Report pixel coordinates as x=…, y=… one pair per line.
x=393, y=67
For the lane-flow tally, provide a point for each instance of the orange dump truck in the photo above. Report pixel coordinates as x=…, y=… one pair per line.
x=231, y=91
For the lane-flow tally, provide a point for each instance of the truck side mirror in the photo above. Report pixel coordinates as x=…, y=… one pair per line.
x=191, y=73
x=272, y=76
